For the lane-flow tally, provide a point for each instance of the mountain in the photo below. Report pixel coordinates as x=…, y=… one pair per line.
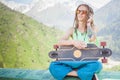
x=55, y=13
x=108, y=13
x=108, y=20
x=24, y=43
x=21, y=7
x=60, y=15
x=54, y=16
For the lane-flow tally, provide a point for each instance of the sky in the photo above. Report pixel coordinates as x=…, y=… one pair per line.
x=22, y=1
x=28, y=4
x=95, y=3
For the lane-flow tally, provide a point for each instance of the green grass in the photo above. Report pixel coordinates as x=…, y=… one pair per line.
x=115, y=68
x=24, y=43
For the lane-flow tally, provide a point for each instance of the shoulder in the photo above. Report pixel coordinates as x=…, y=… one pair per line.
x=71, y=30
x=67, y=34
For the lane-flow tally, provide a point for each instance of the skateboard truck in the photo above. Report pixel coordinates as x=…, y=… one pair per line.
x=104, y=60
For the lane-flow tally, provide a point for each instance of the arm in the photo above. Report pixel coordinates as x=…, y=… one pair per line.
x=93, y=37
x=93, y=28
x=64, y=40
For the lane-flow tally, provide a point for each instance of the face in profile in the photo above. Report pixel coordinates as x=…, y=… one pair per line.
x=82, y=13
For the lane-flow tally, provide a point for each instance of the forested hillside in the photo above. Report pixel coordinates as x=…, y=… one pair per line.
x=108, y=21
x=24, y=43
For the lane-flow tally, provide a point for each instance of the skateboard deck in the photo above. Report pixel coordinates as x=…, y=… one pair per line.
x=70, y=53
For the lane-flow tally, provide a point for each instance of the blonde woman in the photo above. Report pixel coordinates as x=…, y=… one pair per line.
x=82, y=32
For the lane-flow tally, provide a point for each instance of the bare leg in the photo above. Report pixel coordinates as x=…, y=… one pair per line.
x=72, y=73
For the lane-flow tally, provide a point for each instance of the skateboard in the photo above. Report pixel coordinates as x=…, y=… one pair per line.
x=71, y=53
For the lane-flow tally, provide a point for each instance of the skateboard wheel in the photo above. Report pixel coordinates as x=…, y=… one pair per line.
x=55, y=46
x=103, y=43
x=104, y=60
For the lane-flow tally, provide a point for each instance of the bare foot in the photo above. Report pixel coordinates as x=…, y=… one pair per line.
x=72, y=73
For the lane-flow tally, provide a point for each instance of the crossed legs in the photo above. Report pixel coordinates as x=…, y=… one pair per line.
x=83, y=70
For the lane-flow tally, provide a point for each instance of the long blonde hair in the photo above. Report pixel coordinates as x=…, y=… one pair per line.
x=90, y=12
